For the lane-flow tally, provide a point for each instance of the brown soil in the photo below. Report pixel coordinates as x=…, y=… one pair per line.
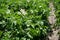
x=52, y=20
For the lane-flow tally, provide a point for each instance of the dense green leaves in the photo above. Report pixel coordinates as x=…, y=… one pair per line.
x=57, y=6
x=24, y=19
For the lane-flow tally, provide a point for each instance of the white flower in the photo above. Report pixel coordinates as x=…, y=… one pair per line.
x=23, y=11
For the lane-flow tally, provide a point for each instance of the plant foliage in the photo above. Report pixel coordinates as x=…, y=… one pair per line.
x=24, y=19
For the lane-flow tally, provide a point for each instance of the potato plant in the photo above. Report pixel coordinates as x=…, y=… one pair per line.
x=57, y=12
x=24, y=19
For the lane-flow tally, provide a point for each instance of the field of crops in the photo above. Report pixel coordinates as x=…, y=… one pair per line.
x=26, y=19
